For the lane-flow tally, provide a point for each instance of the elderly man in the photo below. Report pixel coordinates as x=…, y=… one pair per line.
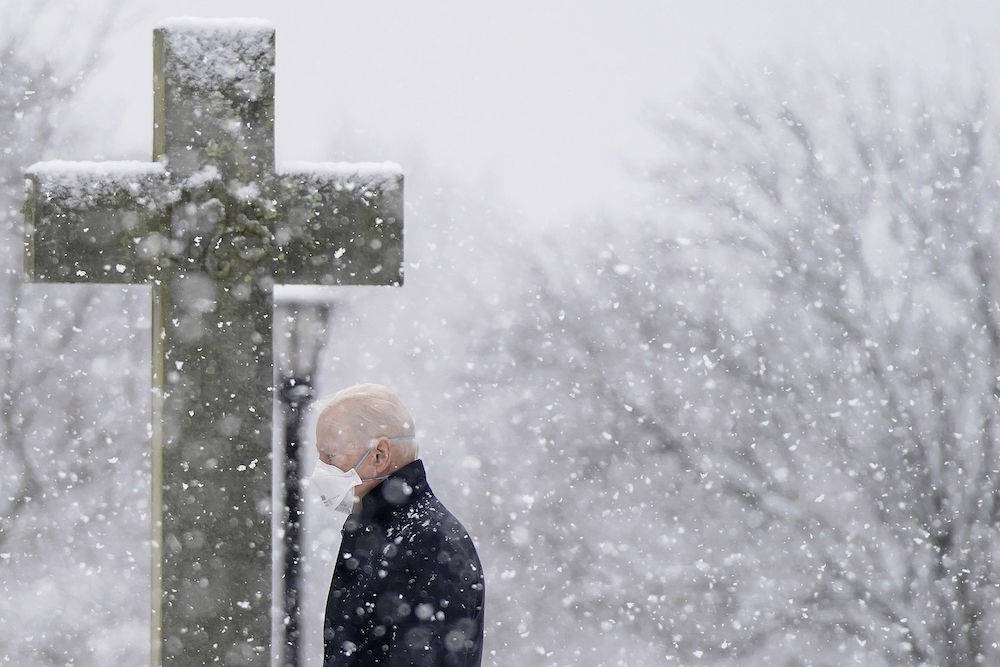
x=407, y=586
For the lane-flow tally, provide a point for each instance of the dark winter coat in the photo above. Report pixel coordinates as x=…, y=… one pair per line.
x=408, y=586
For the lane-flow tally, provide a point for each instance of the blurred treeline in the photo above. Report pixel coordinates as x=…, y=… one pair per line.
x=751, y=421
x=74, y=389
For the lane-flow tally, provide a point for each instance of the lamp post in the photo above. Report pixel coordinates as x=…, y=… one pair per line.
x=300, y=318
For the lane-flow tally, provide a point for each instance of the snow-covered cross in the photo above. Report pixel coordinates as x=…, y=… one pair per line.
x=212, y=226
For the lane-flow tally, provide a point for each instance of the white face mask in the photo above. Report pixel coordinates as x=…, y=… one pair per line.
x=335, y=487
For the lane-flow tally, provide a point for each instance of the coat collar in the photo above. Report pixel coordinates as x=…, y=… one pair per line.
x=395, y=493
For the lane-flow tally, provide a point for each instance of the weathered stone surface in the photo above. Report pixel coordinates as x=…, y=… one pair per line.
x=213, y=89
x=100, y=222
x=340, y=224
x=212, y=227
x=215, y=469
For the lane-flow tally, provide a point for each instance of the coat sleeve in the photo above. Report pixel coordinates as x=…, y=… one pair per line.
x=440, y=609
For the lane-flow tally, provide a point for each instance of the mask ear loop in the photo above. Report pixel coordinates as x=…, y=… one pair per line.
x=356, y=465
x=355, y=468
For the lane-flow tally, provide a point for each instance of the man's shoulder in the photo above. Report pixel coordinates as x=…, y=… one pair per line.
x=427, y=521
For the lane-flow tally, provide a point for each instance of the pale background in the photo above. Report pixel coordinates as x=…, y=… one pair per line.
x=539, y=110
x=545, y=105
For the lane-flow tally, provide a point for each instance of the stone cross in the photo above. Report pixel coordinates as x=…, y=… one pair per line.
x=211, y=225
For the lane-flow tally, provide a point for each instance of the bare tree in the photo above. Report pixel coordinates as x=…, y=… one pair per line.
x=73, y=399
x=761, y=426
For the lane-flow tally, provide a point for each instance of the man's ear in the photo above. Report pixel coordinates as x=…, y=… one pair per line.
x=383, y=453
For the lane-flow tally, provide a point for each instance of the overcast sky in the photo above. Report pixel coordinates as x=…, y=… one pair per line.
x=542, y=103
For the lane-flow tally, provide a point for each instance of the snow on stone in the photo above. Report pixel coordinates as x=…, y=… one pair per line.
x=312, y=294
x=247, y=192
x=211, y=25
x=209, y=54
x=343, y=168
x=61, y=170
x=78, y=184
x=201, y=178
x=384, y=174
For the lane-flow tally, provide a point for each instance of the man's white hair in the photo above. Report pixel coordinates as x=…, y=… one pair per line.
x=374, y=411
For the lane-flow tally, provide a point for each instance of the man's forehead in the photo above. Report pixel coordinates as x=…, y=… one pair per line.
x=333, y=423
x=331, y=428
x=343, y=419
x=337, y=410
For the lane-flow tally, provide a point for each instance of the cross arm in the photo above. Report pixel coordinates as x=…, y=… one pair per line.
x=95, y=221
x=340, y=224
